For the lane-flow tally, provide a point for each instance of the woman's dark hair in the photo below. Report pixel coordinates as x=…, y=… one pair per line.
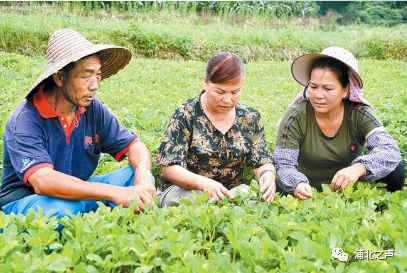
x=223, y=67
x=339, y=68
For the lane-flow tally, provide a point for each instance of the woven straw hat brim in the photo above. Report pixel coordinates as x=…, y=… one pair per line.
x=301, y=65
x=112, y=58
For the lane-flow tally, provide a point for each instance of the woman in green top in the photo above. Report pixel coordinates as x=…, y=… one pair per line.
x=322, y=135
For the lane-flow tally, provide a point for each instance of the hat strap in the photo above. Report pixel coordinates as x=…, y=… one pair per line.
x=304, y=92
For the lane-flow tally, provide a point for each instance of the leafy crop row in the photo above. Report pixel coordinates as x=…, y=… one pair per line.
x=241, y=236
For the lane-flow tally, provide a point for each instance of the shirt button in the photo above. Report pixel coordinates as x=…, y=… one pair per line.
x=65, y=126
x=62, y=118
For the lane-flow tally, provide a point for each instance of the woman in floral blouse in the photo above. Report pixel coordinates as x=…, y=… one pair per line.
x=211, y=138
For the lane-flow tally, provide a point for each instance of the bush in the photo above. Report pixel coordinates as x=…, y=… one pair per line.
x=375, y=13
x=28, y=41
x=162, y=45
x=164, y=35
x=384, y=49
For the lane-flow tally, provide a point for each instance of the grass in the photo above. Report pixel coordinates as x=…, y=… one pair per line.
x=195, y=37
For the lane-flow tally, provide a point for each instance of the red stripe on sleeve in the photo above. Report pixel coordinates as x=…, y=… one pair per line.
x=119, y=155
x=33, y=169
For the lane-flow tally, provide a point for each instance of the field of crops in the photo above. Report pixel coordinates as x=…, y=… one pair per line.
x=287, y=235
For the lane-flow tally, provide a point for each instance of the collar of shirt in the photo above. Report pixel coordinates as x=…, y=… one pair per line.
x=46, y=111
x=44, y=107
x=201, y=113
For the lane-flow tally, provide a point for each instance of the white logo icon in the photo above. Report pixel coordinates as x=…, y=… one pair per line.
x=27, y=162
x=338, y=253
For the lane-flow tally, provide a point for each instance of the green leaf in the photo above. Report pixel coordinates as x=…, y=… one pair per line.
x=94, y=257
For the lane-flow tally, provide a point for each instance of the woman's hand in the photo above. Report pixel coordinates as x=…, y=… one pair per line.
x=214, y=188
x=268, y=185
x=303, y=191
x=346, y=175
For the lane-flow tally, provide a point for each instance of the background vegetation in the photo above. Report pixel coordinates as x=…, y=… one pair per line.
x=171, y=43
x=200, y=28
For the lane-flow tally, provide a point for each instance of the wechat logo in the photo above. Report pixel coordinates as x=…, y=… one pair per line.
x=338, y=253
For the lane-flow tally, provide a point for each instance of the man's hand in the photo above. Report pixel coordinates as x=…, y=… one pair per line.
x=303, y=191
x=125, y=195
x=268, y=186
x=214, y=188
x=346, y=175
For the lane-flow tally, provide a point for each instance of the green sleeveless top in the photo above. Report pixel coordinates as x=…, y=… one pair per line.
x=320, y=157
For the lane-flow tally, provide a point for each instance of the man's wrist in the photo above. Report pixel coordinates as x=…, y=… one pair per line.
x=141, y=166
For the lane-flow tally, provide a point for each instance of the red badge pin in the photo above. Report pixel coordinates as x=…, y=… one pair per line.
x=353, y=147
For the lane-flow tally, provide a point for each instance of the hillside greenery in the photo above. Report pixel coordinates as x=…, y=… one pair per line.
x=196, y=36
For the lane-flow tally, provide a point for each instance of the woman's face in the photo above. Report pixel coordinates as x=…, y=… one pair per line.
x=325, y=91
x=223, y=97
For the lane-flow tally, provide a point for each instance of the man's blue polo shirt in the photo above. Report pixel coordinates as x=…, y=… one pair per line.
x=37, y=136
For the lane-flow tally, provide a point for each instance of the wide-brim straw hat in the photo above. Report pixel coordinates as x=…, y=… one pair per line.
x=301, y=65
x=66, y=46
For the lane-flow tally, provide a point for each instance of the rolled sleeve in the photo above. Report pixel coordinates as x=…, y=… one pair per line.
x=287, y=150
x=383, y=155
x=286, y=161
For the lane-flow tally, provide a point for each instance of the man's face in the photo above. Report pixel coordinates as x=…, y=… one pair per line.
x=82, y=81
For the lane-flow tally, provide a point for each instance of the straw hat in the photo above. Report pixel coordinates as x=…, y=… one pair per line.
x=300, y=67
x=66, y=46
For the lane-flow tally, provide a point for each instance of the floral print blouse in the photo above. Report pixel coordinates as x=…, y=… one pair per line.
x=193, y=142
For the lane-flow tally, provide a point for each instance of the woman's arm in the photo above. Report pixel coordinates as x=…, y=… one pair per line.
x=288, y=177
x=266, y=175
x=260, y=159
x=383, y=155
x=183, y=178
x=291, y=129
x=382, y=159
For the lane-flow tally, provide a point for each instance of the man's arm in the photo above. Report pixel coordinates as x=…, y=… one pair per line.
x=140, y=159
x=49, y=182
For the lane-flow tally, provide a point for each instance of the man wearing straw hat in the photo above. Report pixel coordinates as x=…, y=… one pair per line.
x=53, y=140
